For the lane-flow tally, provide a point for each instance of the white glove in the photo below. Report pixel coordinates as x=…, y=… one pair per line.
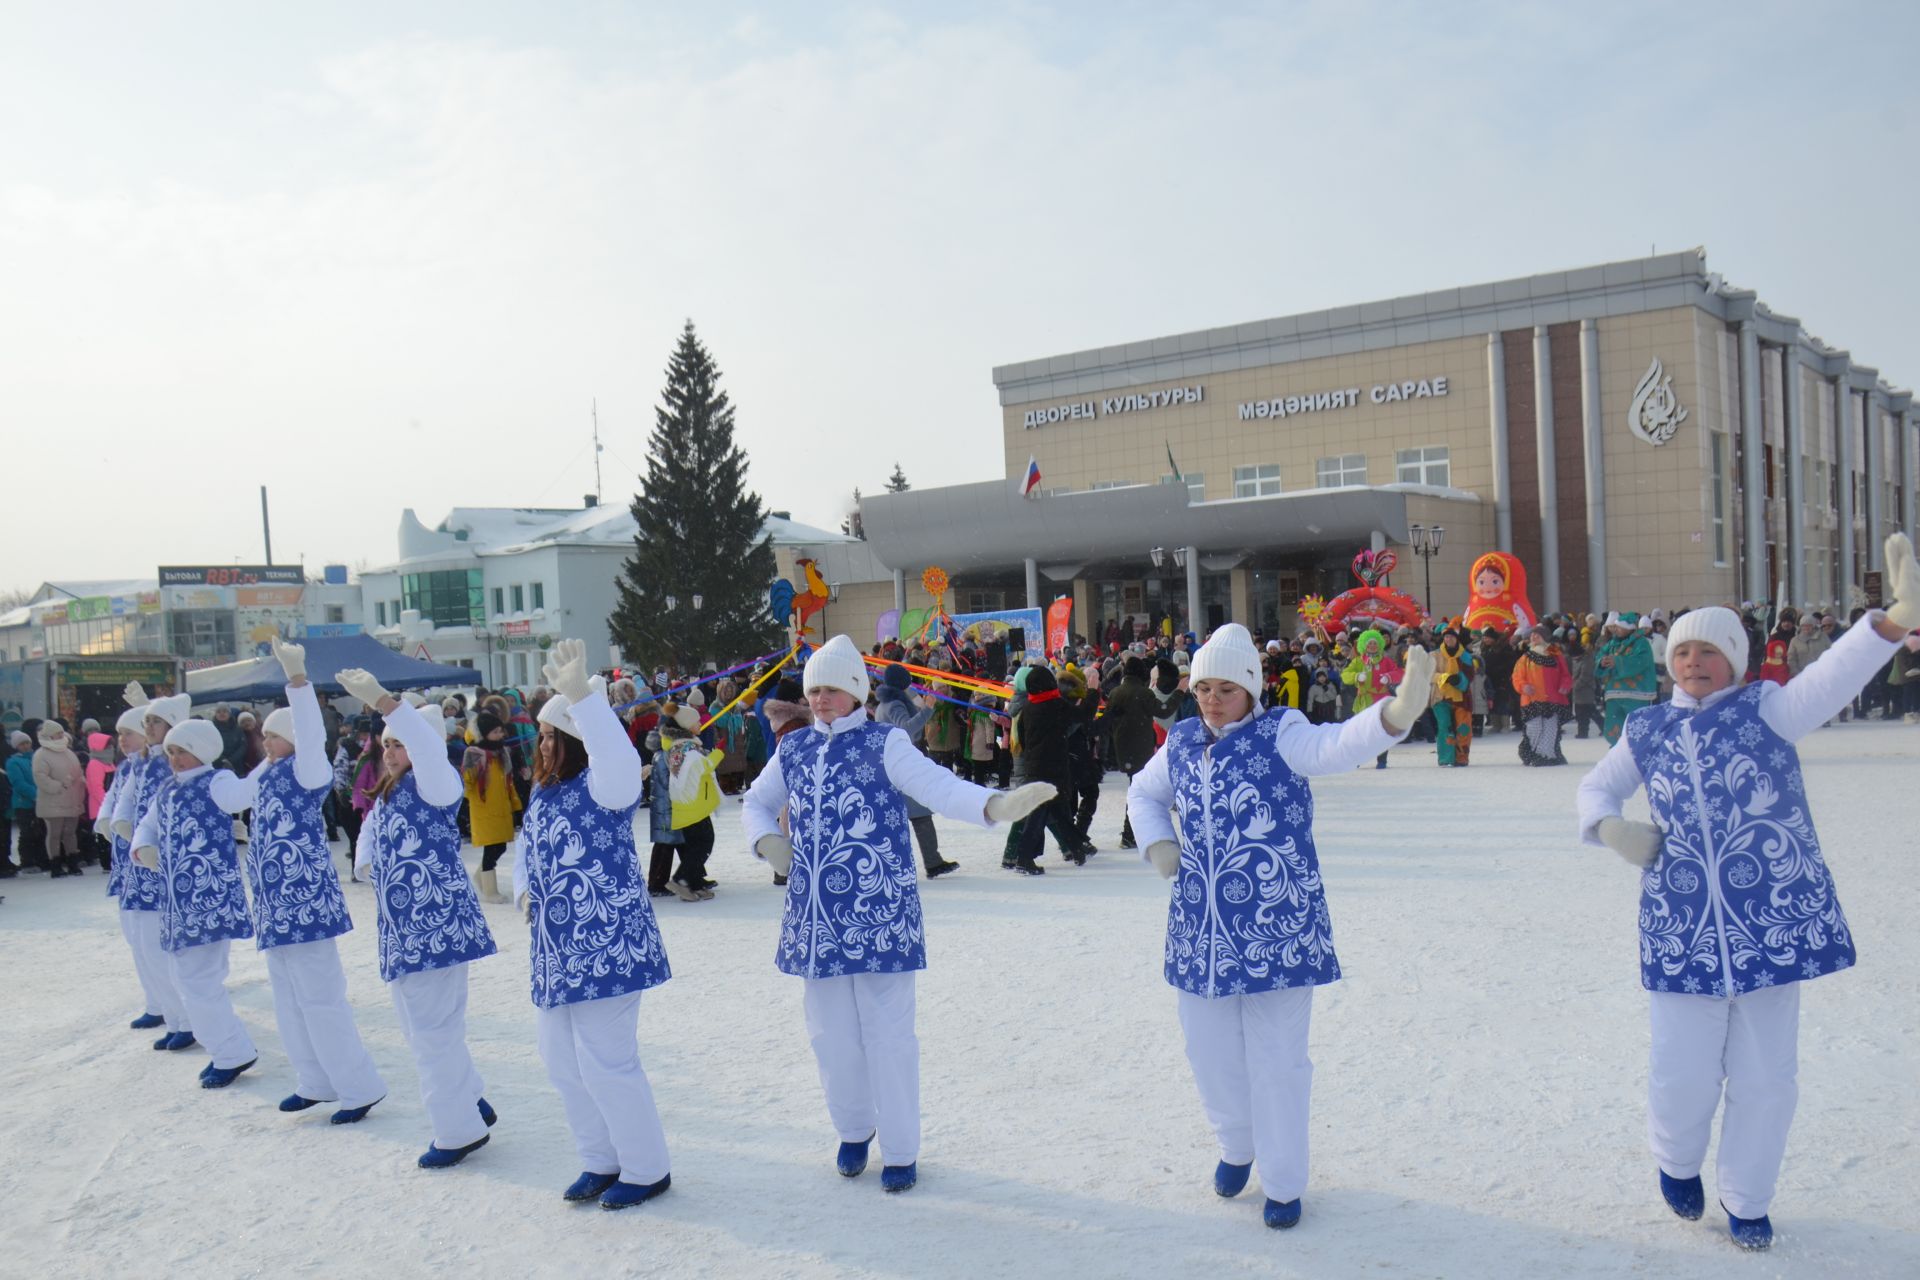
x=1011, y=806
x=566, y=670
x=1416, y=691
x=777, y=850
x=136, y=696
x=123, y=829
x=147, y=856
x=359, y=684
x=292, y=659
x=1637, y=842
x=1903, y=575
x=1165, y=857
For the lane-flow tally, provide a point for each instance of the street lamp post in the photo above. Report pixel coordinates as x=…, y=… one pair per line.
x=1426, y=544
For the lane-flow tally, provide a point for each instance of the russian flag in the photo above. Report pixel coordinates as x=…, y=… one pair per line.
x=1031, y=485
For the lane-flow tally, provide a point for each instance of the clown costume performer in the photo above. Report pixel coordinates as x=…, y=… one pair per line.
x=1248, y=934
x=595, y=945
x=851, y=927
x=430, y=923
x=1737, y=908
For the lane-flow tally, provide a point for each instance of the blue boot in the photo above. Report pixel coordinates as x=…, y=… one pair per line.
x=147, y=1022
x=294, y=1102
x=1750, y=1233
x=440, y=1158
x=898, y=1177
x=1229, y=1180
x=1281, y=1216
x=1685, y=1196
x=852, y=1160
x=174, y=1041
x=588, y=1186
x=487, y=1113
x=625, y=1195
x=353, y=1115
x=220, y=1077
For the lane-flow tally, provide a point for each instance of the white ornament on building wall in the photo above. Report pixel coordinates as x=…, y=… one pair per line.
x=1655, y=413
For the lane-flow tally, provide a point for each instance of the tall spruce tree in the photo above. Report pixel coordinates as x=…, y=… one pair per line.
x=701, y=530
x=897, y=482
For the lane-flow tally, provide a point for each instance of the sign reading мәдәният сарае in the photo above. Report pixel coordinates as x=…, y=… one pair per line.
x=1251, y=410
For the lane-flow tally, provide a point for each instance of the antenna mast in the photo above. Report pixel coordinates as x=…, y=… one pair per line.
x=597, y=495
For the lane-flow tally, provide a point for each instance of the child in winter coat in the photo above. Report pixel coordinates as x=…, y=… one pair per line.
x=1323, y=700
x=492, y=800
x=1737, y=907
x=694, y=793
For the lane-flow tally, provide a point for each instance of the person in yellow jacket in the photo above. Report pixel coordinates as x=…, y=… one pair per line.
x=492, y=800
x=1452, y=718
x=695, y=793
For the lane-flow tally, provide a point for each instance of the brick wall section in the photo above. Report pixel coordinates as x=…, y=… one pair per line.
x=1523, y=477
x=1569, y=471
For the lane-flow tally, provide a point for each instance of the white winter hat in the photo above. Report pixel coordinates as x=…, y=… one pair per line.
x=132, y=720
x=53, y=734
x=836, y=665
x=1229, y=654
x=558, y=710
x=279, y=723
x=1645, y=623
x=197, y=738
x=429, y=713
x=1714, y=625
x=172, y=710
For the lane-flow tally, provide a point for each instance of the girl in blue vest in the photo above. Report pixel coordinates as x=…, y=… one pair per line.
x=187, y=836
x=595, y=945
x=121, y=878
x=141, y=889
x=852, y=927
x=1737, y=907
x=298, y=910
x=430, y=923
x=1248, y=934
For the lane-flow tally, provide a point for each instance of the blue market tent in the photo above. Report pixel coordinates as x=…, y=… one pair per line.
x=261, y=679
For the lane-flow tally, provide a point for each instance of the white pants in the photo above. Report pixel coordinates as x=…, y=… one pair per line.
x=1249, y=1059
x=861, y=1026
x=330, y=1064
x=1751, y=1043
x=201, y=975
x=141, y=929
x=593, y=1059
x=433, y=1016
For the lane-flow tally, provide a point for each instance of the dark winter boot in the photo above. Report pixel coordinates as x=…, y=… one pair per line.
x=1027, y=867
x=1685, y=1196
x=895, y=1178
x=439, y=1158
x=852, y=1158
x=588, y=1186
x=1280, y=1216
x=1229, y=1180
x=1750, y=1233
x=625, y=1195
x=147, y=1022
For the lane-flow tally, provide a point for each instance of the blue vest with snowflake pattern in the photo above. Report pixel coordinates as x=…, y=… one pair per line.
x=141, y=889
x=296, y=894
x=593, y=931
x=202, y=899
x=1740, y=897
x=853, y=903
x=1248, y=913
x=117, y=852
x=429, y=914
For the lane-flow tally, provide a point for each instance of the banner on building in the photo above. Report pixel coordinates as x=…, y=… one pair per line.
x=996, y=624
x=1059, y=624
x=231, y=575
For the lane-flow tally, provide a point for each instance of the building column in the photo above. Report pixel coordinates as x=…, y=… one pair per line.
x=1753, y=481
x=1083, y=619
x=1195, y=621
x=1543, y=447
x=1497, y=420
x=900, y=590
x=1593, y=438
x=1794, y=415
x=1240, y=597
x=1875, y=479
x=1033, y=584
x=1909, y=471
x=1843, y=423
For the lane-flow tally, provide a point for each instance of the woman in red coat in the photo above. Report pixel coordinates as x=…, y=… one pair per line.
x=1544, y=682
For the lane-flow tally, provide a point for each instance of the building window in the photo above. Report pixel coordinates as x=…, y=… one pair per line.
x=1097, y=485
x=200, y=633
x=1719, y=481
x=336, y=614
x=380, y=613
x=1195, y=481
x=1256, y=482
x=446, y=598
x=519, y=598
x=1054, y=493
x=539, y=595
x=1341, y=472
x=1423, y=466
x=499, y=601
x=393, y=611
x=982, y=601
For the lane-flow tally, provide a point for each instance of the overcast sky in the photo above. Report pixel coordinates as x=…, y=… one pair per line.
x=386, y=255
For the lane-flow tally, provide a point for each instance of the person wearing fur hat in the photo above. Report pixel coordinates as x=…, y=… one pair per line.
x=298, y=910
x=142, y=892
x=894, y=705
x=1737, y=907
x=1628, y=680
x=594, y=943
x=851, y=927
x=430, y=923
x=1545, y=687
x=187, y=836
x=1248, y=934
x=60, y=797
x=492, y=803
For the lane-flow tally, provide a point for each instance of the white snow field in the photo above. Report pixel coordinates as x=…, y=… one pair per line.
x=1478, y=1105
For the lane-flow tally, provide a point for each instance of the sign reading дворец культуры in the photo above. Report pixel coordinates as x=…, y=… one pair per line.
x=1276, y=407
x=1132, y=402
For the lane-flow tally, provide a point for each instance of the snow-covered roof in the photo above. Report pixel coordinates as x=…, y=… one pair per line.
x=83, y=588
x=16, y=617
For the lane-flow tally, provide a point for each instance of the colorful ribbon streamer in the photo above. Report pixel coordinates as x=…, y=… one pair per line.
x=993, y=687
x=768, y=675
x=680, y=689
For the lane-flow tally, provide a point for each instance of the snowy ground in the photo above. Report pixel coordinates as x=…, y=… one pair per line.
x=1478, y=1103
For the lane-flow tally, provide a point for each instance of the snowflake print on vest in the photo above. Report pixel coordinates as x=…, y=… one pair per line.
x=852, y=902
x=592, y=925
x=429, y=914
x=202, y=899
x=296, y=895
x=1248, y=912
x=141, y=889
x=1740, y=897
